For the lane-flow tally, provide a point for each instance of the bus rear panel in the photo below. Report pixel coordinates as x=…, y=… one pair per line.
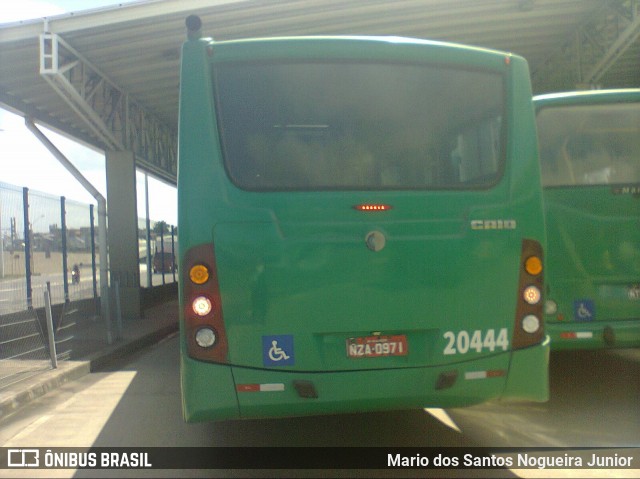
x=590, y=161
x=361, y=228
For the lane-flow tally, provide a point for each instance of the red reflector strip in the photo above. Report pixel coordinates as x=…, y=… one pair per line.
x=255, y=388
x=493, y=373
x=578, y=335
x=247, y=388
x=372, y=207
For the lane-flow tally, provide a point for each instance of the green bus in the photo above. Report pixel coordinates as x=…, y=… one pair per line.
x=361, y=227
x=589, y=145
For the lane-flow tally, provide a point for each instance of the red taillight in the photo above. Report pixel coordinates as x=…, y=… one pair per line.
x=202, y=307
x=528, y=328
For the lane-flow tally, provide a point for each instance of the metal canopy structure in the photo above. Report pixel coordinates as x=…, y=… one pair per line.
x=109, y=77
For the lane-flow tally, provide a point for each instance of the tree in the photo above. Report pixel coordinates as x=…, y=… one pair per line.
x=161, y=227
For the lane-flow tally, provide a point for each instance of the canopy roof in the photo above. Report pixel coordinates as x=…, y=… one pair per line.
x=130, y=53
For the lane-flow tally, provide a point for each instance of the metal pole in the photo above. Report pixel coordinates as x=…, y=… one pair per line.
x=93, y=254
x=52, y=339
x=148, y=225
x=102, y=222
x=162, y=250
x=173, y=253
x=104, y=272
x=1, y=243
x=27, y=246
x=118, y=310
x=65, y=264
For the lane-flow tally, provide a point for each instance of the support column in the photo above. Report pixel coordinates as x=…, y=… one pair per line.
x=123, y=229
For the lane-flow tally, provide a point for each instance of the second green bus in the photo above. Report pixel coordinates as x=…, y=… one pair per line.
x=590, y=161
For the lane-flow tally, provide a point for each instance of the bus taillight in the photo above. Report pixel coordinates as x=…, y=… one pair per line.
x=206, y=337
x=203, y=320
x=201, y=305
x=199, y=274
x=533, y=265
x=532, y=295
x=528, y=329
x=531, y=323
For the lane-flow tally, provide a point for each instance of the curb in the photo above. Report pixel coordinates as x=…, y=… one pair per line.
x=40, y=384
x=117, y=351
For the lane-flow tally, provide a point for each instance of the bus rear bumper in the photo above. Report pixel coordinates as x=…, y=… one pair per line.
x=594, y=334
x=208, y=392
x=214, y=392
x=525, y=382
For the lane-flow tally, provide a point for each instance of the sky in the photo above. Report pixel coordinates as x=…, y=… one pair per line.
x=32, y=165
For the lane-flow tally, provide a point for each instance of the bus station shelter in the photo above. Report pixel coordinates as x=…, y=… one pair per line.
x=109, y=77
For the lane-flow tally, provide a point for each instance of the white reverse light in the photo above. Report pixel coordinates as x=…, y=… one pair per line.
x=530, y=324
x=205, y=337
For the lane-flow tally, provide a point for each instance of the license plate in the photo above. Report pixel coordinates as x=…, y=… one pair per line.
x=377, y=346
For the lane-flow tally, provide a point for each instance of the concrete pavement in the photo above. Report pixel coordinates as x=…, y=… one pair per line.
x=92, y=352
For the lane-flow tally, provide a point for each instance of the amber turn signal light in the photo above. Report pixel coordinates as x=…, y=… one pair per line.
x=533, y=265
x=199, y=274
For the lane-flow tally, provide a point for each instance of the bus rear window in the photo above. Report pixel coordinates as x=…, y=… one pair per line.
x=589, y=144
x=345, y=126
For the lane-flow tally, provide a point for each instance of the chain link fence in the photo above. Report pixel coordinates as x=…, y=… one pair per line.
x=49, y=243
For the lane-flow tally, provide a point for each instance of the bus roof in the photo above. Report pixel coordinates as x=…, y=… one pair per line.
x=392, y=39
x=322, y=42
x=588, y=96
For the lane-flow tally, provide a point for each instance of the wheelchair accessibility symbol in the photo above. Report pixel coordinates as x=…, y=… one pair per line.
x=277, y=350
x=584, y=310
x=276, y=353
